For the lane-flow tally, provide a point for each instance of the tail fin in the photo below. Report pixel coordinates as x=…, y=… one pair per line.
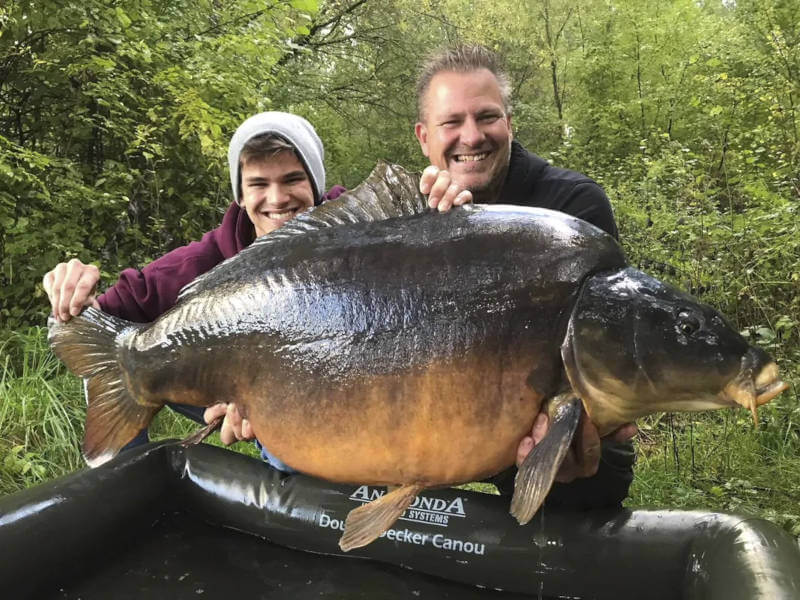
x=88, y=346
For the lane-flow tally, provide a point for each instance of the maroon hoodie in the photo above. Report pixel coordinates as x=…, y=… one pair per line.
x=143, y=296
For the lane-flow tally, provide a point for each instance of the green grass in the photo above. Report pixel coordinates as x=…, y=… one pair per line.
x=42, y=410
x=710, y=461
x=719, y=461
x=40, y=419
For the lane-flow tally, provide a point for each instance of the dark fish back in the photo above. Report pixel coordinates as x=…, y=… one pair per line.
x=377, y=297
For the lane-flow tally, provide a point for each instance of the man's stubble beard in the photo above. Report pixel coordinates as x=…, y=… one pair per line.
x=490, y=193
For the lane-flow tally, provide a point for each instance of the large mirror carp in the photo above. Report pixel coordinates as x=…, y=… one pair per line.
x=373, y=341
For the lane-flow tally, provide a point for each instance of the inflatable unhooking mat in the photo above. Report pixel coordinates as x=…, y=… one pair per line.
x=167, y=522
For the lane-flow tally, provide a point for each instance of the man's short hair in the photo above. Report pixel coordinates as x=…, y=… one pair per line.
x=263, y=146
x=462, y=58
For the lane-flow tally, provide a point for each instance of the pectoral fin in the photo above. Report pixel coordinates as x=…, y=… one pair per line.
x=366, y=523
x=538, y=470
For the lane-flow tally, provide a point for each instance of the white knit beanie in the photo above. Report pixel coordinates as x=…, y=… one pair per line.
x=296, y=130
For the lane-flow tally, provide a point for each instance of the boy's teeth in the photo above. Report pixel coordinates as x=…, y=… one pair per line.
x=281, y=214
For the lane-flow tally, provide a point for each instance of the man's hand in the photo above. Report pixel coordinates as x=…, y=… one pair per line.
x=71, y=286
x=234, y=427
x=443, y=193
x=583, y=457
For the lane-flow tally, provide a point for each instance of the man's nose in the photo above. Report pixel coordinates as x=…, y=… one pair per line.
x=471, y=133
x=277, y=195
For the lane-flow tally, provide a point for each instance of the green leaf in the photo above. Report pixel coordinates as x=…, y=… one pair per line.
x=785, y=324
x=123, y=18
x=306, y=5
x=766, y=334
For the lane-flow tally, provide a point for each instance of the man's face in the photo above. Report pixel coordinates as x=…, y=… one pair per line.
x=274, y=190
x=467, y=131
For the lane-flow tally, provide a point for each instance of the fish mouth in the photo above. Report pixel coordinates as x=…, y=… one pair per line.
x=753, y=391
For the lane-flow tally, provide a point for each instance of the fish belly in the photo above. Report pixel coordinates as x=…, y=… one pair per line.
x=445, y=424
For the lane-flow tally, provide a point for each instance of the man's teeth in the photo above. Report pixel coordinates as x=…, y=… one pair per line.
x=471, y=157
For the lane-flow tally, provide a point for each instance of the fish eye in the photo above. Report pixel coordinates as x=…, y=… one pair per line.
x=687, y=322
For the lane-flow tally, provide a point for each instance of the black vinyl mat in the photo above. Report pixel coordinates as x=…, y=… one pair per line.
x=170, y=522
x=183, y=558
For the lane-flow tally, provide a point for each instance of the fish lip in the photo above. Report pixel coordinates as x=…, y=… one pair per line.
x=767, y=392
x=752, y=391
x=768, y=384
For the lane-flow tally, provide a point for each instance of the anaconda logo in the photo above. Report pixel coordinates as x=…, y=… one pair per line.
x=424, y=509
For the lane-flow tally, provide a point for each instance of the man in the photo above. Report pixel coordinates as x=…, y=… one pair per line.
x=464, y=128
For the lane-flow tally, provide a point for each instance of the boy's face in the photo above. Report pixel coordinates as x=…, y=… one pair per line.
x=274, y=190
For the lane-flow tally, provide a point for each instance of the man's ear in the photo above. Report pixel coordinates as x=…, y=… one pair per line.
x=422, y=136
x=510, y=128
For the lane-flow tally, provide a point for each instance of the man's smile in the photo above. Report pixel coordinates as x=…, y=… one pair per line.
x=471, y=157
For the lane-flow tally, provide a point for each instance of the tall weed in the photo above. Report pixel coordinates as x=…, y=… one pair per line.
x=40, y=419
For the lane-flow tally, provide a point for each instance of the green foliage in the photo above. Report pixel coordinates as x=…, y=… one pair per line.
x=681, y=226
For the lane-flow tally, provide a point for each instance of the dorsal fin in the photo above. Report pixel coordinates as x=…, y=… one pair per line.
x=389, y=191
